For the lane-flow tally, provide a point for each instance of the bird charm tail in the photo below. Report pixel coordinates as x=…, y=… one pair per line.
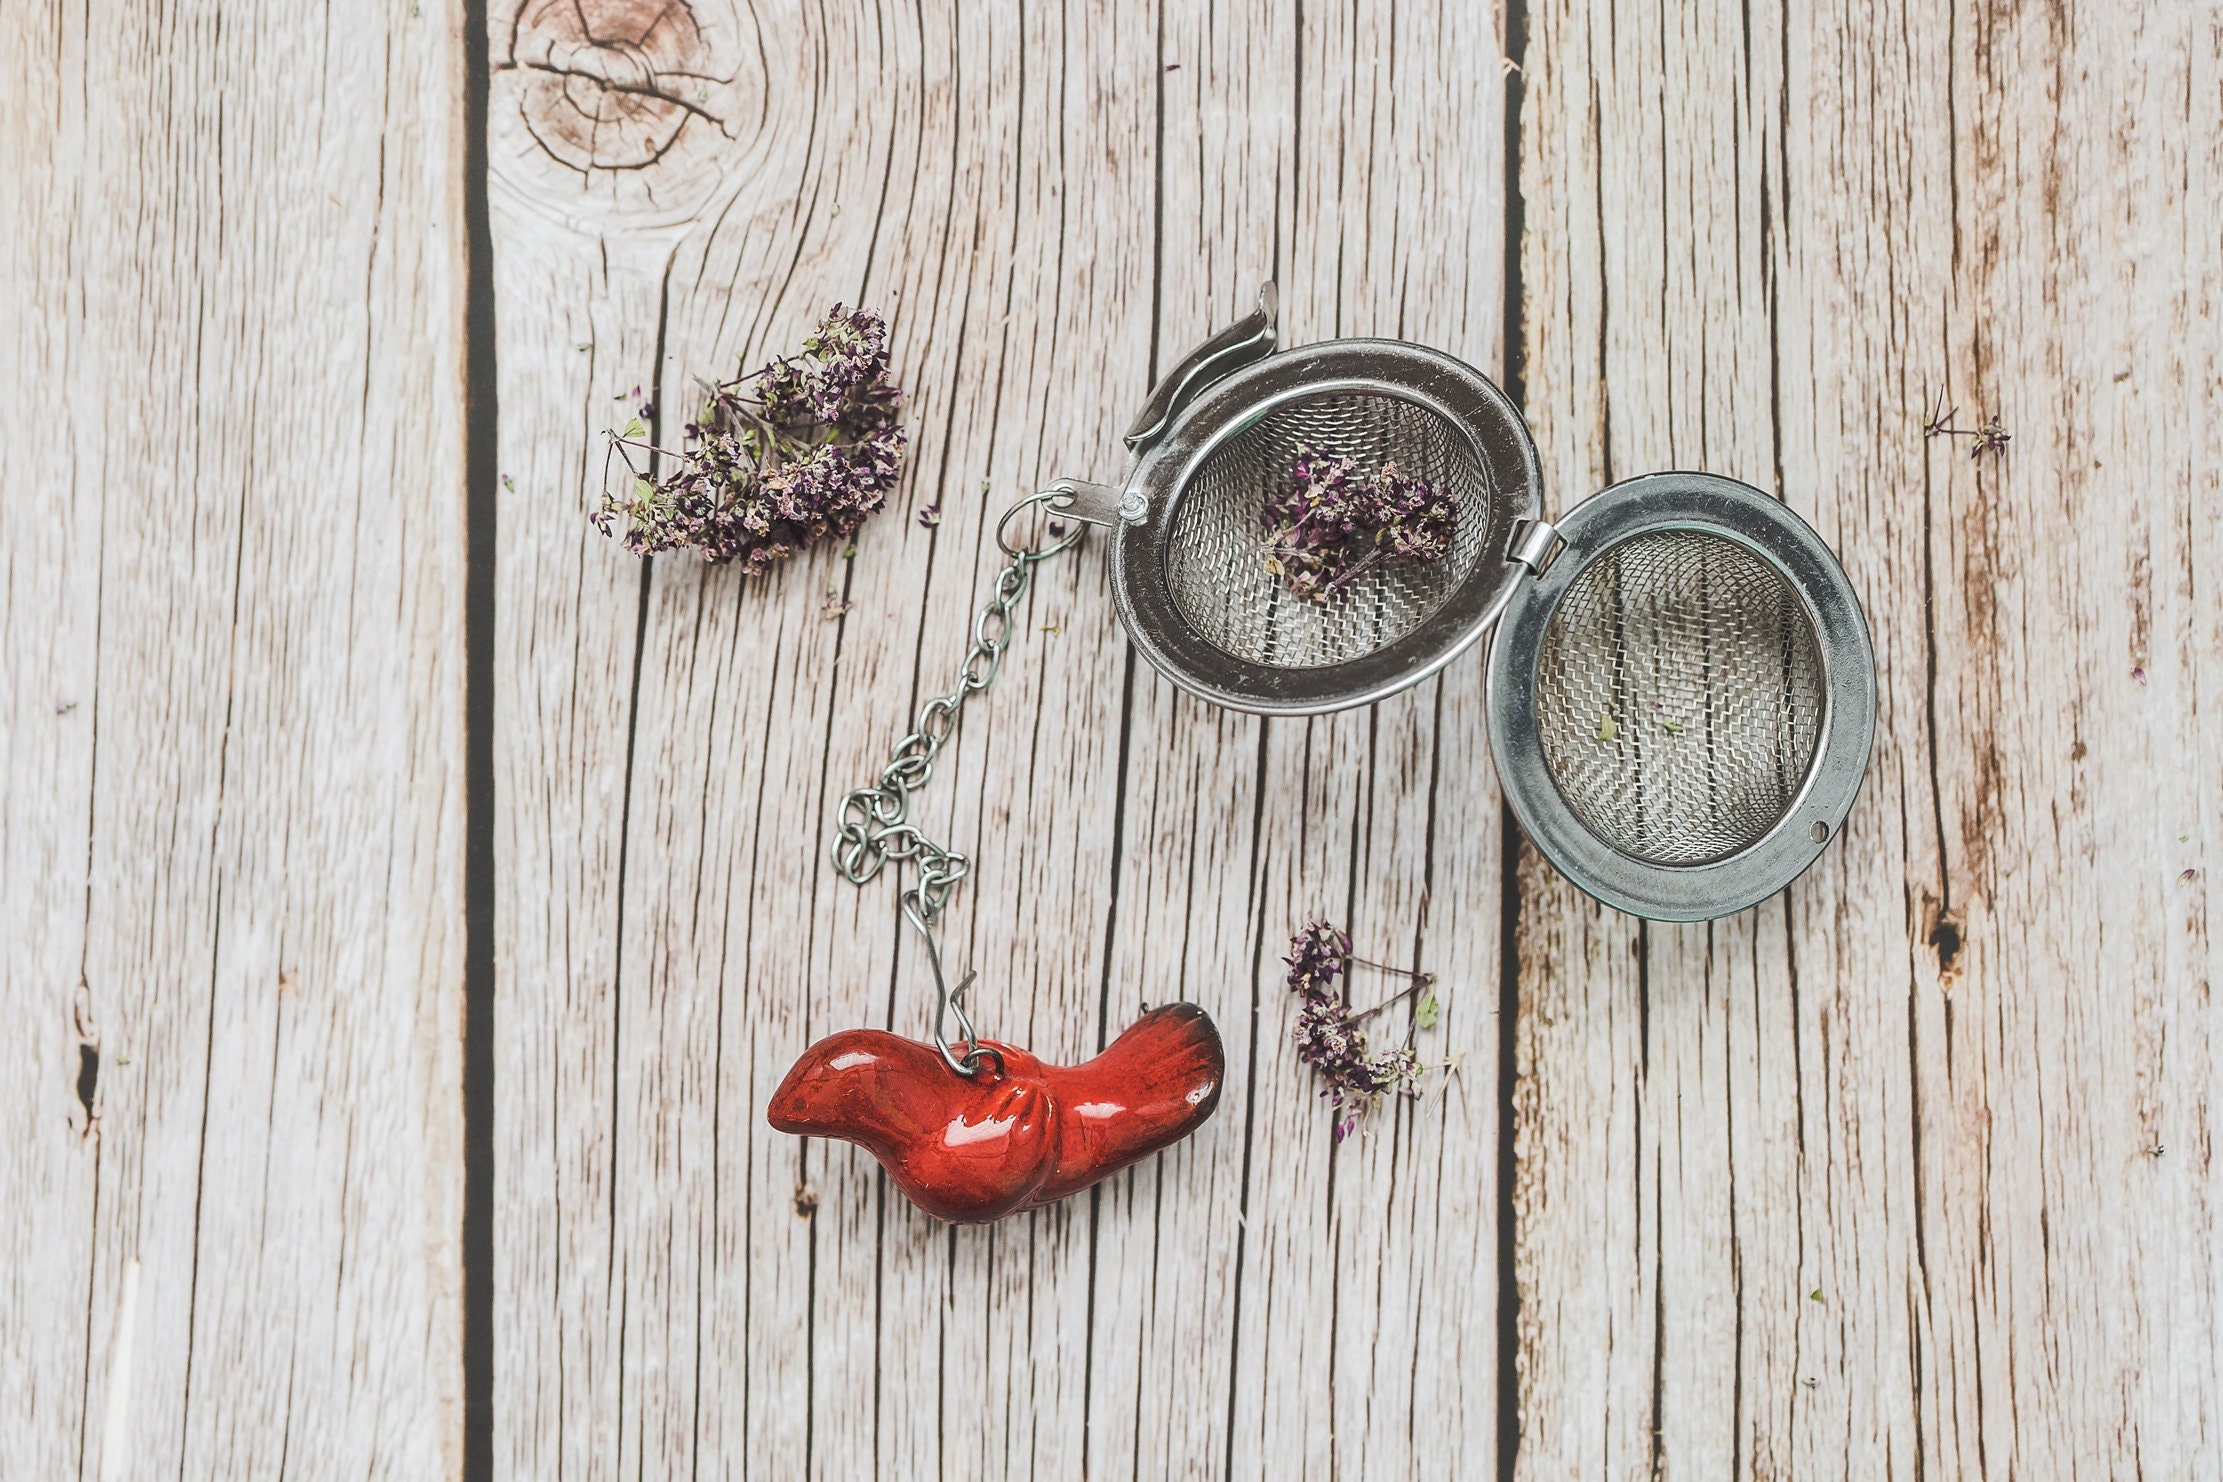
x=1019, y=1132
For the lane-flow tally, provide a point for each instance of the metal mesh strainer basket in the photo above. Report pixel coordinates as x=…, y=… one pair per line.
x=1679, y=696
x=1190, y=571
x=1216, y=556
x=1682, y=702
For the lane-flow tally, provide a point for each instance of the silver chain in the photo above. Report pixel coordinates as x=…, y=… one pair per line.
x=876, y=822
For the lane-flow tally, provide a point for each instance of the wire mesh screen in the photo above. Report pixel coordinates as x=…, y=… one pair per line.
x=1218, y=547
x=1679, y=697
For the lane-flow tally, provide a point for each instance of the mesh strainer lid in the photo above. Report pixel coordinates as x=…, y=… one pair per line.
x=1682, y=704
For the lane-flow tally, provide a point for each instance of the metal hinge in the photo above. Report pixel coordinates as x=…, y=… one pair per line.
x=1535, y=544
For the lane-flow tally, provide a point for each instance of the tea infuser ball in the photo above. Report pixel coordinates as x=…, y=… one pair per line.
x=1681, y=691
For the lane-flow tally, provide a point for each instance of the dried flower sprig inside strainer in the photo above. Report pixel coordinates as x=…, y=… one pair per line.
x=1329, y=521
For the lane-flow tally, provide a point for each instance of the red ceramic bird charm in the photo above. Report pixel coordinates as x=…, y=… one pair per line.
x=971, y=1149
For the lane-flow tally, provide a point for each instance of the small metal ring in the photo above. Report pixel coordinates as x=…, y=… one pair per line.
x=1056, y=499
x=899, y=842
x=974, y=678
x=936, y=721
x=971, y=1059
x=857, y=860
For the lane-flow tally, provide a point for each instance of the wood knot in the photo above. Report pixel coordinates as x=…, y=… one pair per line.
x=611, y=84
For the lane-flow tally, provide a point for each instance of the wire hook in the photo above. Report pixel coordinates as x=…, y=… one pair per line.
x=949, y=1000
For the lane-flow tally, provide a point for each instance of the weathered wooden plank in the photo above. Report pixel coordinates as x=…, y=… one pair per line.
x=906, y=186
x=230, y=849
x=1049, y=214
x=49, y=552
x=1905, y=1171
x=1170, y=1235
x=1366, y=1334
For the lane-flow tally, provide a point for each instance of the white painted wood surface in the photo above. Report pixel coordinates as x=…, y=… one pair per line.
x=1907, y=1172
x=231, y=836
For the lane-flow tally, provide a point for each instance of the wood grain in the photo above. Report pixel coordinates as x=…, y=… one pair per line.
x=1051, y=207
x=1907, y=1172
x=230, y=713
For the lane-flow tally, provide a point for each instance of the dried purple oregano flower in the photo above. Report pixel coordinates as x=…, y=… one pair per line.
x=1312, y=520
x=1328, y=524
x=1989, y=436
x=800, y=451
x=1330, y=1035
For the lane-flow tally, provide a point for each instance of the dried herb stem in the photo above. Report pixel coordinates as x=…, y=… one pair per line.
x=1331, y=1036
x=644, y=445
x=1361, y=564
x=1989, y=436
x=1421, y=983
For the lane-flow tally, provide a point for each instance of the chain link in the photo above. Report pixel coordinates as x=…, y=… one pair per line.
x=875, y=821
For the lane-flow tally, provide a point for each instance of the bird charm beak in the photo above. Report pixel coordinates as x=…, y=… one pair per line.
x=1013, y=1135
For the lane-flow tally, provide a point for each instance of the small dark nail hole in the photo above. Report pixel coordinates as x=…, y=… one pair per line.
x=1819, y=833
